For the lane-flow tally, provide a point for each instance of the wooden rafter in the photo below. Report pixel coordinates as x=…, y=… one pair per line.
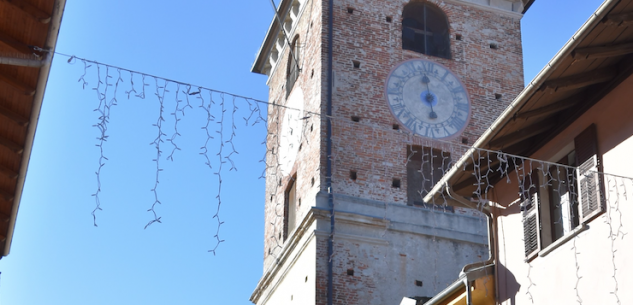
x=553, y=107
x=618, y=19
x=31, y=10
x=470, y=181
x=27, y=90
x=581, y=80
x=11, y=146
x=493, y=178
x=8, y=173
x=603, y=51
x=4, y=217
x=15, y=44
x=473, y=180
x=523, y=133
x=6, y=195
x=522, y=148
x=483, y=167
x=13, y=116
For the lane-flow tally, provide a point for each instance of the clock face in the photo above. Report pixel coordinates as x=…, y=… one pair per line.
x=428, y=99
x=291, y=130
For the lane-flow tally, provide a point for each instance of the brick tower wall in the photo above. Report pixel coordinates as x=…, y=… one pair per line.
x=371, y=147
x=309, y=28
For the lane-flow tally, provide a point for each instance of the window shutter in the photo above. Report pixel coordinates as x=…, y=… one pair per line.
x=530, y=213
x=590, y=186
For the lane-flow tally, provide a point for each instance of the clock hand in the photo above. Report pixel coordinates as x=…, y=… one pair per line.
x=429, y=97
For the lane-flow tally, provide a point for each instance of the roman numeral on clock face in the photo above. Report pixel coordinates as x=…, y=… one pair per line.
x=394, y=90
x=462, y=107
x=398, y=109
x=456, y=122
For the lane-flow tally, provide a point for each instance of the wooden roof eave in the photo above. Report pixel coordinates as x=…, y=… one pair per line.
x=51, y=42
x=455, y=174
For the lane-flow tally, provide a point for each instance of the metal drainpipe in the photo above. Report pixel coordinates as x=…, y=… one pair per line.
x=491, y=256
x=328, y=177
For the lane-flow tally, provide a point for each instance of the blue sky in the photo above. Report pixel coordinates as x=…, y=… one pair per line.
x=58, y=257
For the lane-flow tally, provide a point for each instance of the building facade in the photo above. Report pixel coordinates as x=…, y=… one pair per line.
x=559, y=202
x=349, y=156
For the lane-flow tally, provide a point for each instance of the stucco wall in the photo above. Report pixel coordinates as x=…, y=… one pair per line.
x=583, y=267
x=294, y=281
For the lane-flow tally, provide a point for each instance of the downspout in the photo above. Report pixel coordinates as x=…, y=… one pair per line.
x=51, y=42
x=491, y=257
x=328, y=174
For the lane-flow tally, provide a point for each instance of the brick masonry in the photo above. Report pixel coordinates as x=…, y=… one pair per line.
x=371, y=147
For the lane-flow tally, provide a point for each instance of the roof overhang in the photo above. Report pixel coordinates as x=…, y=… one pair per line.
x=597, y=58
x=28, y=35
x=269, y=40
x=526, y=5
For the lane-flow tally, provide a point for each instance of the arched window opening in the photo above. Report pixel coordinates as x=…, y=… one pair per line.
x=425, y=30
x=293, y=65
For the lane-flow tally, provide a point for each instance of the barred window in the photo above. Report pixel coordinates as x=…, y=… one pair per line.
x=425, y=167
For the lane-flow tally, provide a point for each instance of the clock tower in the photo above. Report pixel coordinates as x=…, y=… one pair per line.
x=370, y=101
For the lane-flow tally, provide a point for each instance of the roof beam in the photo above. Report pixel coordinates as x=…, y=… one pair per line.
x=473, y=181
x=11, y=146
x=522, y=148
x=553, y=107
x=15, y=44
x=618, y=19
x=483, y=168
x=581, y=80
x=6, y=195
x=523, y=133
x=30, y=9
x=13, y=116
x=8, y=173
x=603, y=51
x=25, y=89
x=4, y=217
x=493, y=178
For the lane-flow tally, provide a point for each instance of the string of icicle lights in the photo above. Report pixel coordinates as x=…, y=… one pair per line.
x=225, y=111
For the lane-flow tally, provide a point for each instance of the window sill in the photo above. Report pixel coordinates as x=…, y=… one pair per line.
x=563, y=240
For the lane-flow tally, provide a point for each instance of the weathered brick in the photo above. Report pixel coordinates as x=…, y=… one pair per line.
x=371, y=147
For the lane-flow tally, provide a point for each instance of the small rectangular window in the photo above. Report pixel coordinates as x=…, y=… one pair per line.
x=290, y=208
